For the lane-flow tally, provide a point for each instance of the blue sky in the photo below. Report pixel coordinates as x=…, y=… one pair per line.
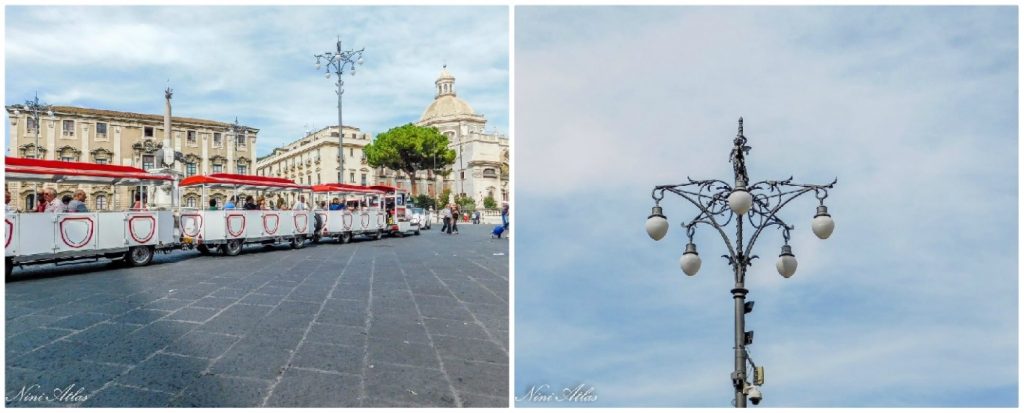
x=913, y=301
x=256, y=63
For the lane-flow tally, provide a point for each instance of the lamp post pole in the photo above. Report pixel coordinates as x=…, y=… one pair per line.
x=336, y=62
x=35, y=107
x=718, y=203
x=236, y=131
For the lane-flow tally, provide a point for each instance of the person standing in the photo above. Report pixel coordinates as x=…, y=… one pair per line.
x=455, y=218
x=77, y=203
x=504, y=216
x=446, y=216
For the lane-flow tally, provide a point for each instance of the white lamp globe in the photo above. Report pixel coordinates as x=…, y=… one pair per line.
x=656, y=225
x=740, y=201
x=786, y=263
x=822, y=224
x=690, y=261
x=317, y=65
x=327, y=75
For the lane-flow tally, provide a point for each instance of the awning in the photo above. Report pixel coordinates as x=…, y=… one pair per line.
x=221, y=180
x=346, y=188
x=25, y=169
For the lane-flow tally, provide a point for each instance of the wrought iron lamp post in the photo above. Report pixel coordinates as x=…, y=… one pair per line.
x=33, y=107
x=236, y=132
x=718, y=204
x=336, y=62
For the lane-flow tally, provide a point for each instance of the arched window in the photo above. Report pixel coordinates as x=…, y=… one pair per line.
x=101, y=202
x=190, y=202
x=490, y=173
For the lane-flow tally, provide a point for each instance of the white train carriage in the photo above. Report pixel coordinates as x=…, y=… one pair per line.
x=395, y=203
x=228, y=230
x=361, y=214
x=39, y=238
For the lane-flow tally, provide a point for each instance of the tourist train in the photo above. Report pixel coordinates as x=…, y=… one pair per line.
x=134, y=235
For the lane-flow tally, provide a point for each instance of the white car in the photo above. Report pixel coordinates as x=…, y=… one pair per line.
x=421, y=217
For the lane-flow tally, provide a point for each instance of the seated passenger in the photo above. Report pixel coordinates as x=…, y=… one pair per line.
x=52, y=203
x=77, y=203
x=250, y=204
x=213, y=205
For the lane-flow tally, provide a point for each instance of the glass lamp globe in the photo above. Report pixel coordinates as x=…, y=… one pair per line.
x=786, y=263
x=822, y=224
x=317, y=65
x=327, y=75
x=690, y=261
x=360, y=61
x=353, y=71
x=740, y=201
x=656, y=225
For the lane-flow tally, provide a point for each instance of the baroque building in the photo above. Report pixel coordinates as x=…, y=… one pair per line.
x=481, y=166
x=125, y=138
x=313, y=159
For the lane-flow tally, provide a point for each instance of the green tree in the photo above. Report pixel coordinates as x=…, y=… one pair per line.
x=424, y=201
x=410, y=148
x=466, y=203
x=444, y=198
x=490, y=203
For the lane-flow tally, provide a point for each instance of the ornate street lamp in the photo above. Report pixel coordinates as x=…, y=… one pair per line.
x=33, y=107
x=336, y=62
x=718, y=203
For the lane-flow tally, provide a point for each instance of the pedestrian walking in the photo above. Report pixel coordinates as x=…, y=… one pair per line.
x=455, y=218
x=446, y=216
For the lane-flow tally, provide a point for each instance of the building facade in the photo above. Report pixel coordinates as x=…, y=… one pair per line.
x=481, y=166
x=125, y=138
x=313, y=159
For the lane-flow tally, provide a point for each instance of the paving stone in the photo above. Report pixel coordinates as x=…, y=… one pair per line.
x=244, y=318
x=218, y=391
x=301, y=388
x=410, y=384
x=116, y=396
x=469, y=349
x=341, y=359
x=193, y=314
x=202, y=344
x=402, y=352
x=164, y=372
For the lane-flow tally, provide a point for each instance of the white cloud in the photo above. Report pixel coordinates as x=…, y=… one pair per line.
x=913, y=109
x=257, y=62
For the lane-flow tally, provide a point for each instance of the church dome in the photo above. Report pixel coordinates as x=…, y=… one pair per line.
x=445, y=106
x=445, y=103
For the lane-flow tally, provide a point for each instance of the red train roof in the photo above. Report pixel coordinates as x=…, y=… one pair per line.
x=345, y=188
x=26, y=169
x=243, y=181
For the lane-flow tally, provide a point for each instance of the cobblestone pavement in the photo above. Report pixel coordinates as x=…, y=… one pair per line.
x=413, y=321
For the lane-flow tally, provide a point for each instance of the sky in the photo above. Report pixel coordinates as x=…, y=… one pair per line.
x=913, y=301
x=257, y=63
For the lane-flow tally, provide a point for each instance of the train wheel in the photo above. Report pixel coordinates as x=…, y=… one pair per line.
x=380, y=234
x=203, y=249
x=9, y=267
x=298, y=241
x=232, y=247
x=139, y=256
x=316, y=238
x=346, y=238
